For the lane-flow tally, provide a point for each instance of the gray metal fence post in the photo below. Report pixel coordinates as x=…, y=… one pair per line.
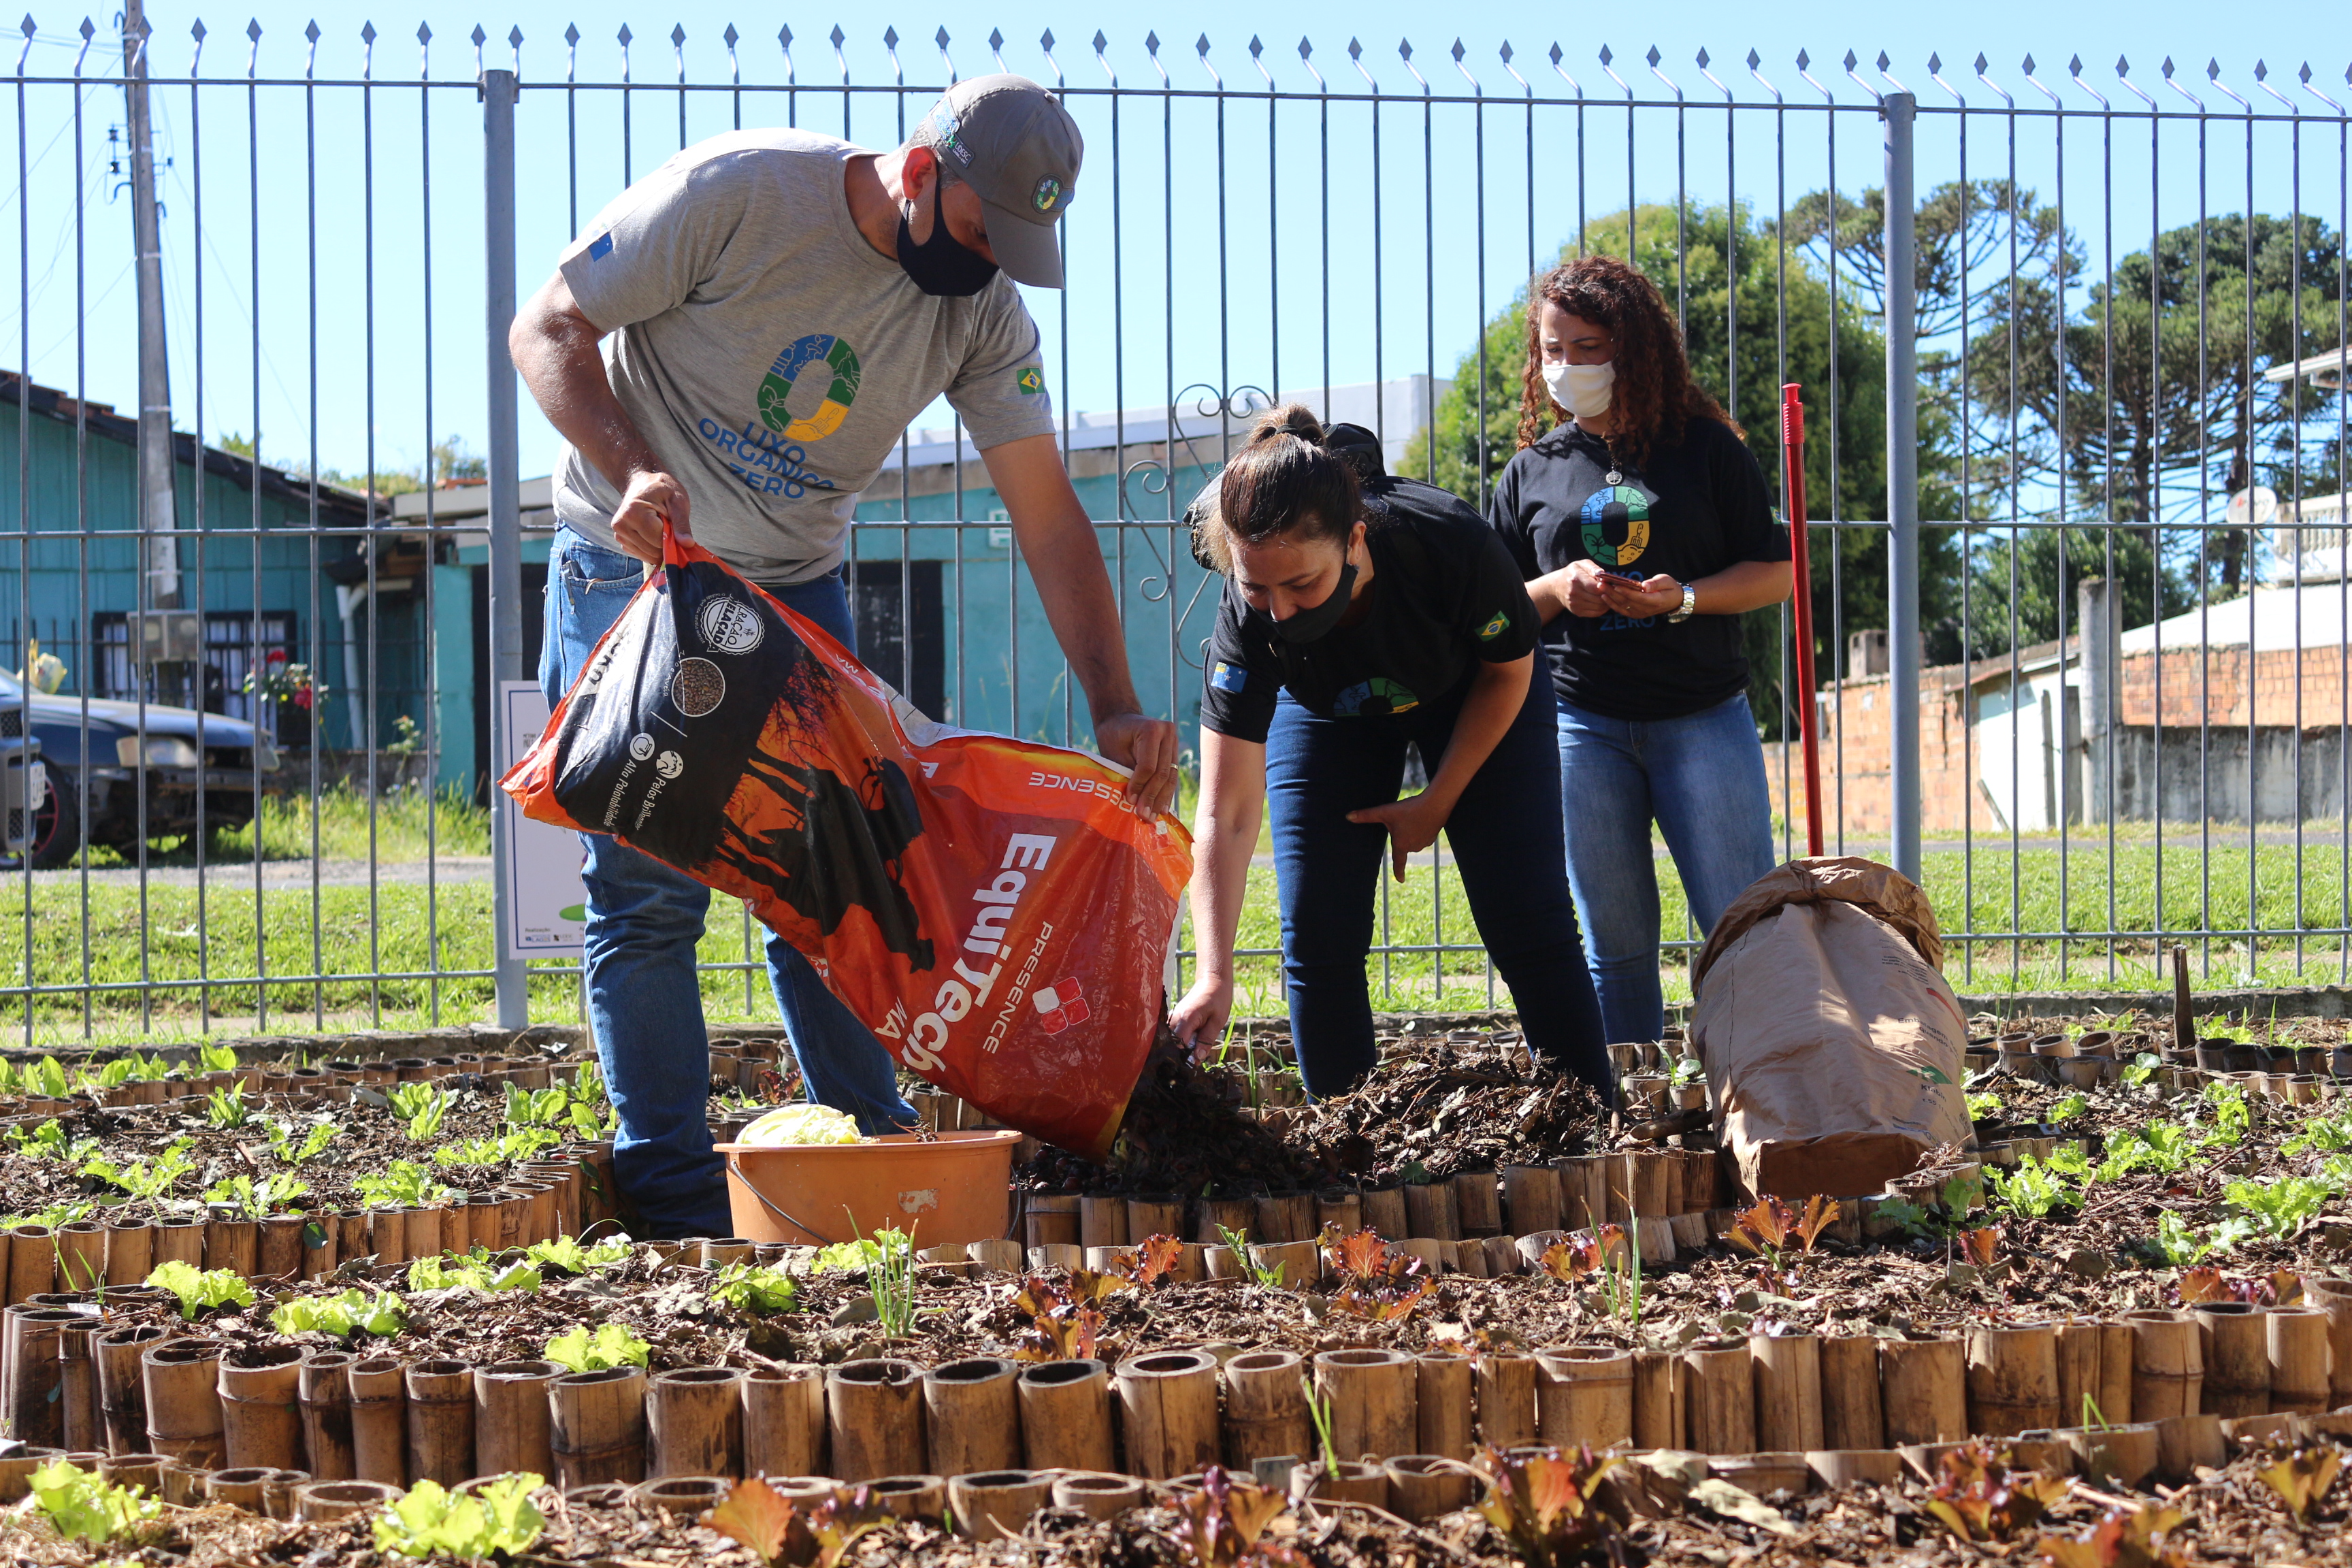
x=1903, y=631
x=506, y=497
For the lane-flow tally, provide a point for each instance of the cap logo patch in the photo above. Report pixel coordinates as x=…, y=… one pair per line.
x=1048, y=194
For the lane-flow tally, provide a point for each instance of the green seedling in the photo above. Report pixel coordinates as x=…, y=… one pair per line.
x=147, y=1181
x=2321, y=1134
x=891, y=1280
x=2231, y=1118
x=216, y=1058
x=2281, y=1209
x=451, y=1272
x=2071, y=1106
x=566, y=1255
x=403, y=1184
x=351, y=1312
x=508, y=1149
x=238, y=1192
x=498, y=1519
x=610, y=1346
x=2141, y=1070
x=313, y=1143
x=760, y=1290
x=55, y=1216
x=423, y=1107
x=201, y=1290
x=226, y=1108
x=2163, y=1147
x=1237, y=1243
x=2029, y=1191
x=80, y=1506
x=1318, y=1410
x=50, y=1141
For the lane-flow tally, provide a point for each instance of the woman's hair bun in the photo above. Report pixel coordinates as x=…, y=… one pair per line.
x=1288, y=419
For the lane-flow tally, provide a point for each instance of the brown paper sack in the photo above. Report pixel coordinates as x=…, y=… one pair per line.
x=1832, y=1042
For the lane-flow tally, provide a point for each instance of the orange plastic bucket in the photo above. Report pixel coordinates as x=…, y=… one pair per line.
x=955, y=1187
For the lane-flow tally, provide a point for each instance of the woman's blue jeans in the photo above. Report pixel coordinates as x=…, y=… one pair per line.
x=1702, y=778
x=1505, y=833
x=645, y=920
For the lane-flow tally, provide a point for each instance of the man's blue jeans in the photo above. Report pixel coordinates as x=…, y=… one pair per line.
x=1505, y=837
x=1702, y=777
x=643, y=922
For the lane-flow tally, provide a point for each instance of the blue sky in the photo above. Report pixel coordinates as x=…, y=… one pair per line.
x=1233, y=313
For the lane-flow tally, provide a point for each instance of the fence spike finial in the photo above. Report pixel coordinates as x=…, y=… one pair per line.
x=1505, y=51
x=1046, y=40
x=1100, y=42
x=1355, y=51
x=1305, y=48
x=890, y=38
x=1804, y=60
x=1701, y=57
x=731, y=35
x=2261, y=72
x=1652, y=57
x=2123, y=66
x=1605, y=56
x=1852, y=60
x=2303, y=76
x=677, y=35
x=1754, y=59
x=2029, y=65
x=1256, y=48
x=2212, y=69
x=1458, y=51
x=423, y=32
x=2074, y=66
x=2168, y=67
x=624, y=34
x=572, y=34
x=1404, y=48
x=1934, y=62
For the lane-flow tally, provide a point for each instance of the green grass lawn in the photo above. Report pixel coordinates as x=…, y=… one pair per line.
x=171, y=941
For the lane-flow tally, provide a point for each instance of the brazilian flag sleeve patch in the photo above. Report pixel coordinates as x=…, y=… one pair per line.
x=1495, y=627
x=1030, y=381
x=1228, y=676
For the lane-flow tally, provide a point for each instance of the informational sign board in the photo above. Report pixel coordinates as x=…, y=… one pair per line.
x=547, y=904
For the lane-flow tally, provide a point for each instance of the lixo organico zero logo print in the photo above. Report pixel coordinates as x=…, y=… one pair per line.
x=819, y=353
x=1621, y=509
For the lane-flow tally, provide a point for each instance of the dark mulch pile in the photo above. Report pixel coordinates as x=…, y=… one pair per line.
x=1472, y=1101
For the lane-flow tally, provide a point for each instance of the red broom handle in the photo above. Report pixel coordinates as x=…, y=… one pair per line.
x=1792, y=476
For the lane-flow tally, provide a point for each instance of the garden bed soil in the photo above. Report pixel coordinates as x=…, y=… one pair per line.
x=2229, y=1517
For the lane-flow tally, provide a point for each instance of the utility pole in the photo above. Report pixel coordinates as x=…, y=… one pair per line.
x=157, y=511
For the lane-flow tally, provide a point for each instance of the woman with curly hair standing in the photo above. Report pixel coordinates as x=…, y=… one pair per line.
x=1643, y=527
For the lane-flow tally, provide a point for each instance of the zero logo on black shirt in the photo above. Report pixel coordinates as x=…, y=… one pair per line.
x=1376, y=696
x=1621, y=509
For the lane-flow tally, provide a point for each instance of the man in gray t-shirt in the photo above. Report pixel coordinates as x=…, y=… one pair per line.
x=732, y=348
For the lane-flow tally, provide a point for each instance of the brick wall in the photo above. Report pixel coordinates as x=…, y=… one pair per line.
x=1854, y=787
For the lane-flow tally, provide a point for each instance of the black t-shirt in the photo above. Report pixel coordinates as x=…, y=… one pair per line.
x=1444, y=592
x=1695, y=509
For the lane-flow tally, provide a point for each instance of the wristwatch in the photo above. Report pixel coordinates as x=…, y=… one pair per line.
x=1690, y=605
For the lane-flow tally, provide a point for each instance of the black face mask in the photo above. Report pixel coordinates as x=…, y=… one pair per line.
x=1313, y=624
x=943, y=264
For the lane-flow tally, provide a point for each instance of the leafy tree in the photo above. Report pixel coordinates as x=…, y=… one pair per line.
x=2157, y=388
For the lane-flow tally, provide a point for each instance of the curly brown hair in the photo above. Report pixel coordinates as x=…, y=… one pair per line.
x=1654, y=395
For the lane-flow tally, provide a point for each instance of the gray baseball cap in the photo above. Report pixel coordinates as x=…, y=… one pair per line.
x=1014, y=144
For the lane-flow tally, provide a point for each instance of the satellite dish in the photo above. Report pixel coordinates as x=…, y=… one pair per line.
x=2255, y=508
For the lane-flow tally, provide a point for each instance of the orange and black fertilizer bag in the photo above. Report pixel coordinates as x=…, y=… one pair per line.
x=993, y=910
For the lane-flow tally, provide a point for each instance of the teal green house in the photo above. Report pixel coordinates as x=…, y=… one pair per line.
x=258, y=555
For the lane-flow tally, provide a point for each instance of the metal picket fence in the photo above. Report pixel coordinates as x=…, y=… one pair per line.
x=2071, y=343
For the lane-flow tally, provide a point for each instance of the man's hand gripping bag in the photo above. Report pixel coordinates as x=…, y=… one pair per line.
x=1833, y=1044
x=994, y=910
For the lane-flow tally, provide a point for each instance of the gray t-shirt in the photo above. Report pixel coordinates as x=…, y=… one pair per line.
x=771, y=356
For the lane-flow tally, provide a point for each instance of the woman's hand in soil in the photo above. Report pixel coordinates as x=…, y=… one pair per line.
x=1414, y=823
x=1198, y=1021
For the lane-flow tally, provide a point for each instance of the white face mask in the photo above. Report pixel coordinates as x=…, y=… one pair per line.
x=1581, y=389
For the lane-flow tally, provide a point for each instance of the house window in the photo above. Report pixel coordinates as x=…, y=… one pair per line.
x=234, y=639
